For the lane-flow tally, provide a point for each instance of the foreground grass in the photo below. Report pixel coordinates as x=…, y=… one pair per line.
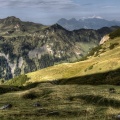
x=61, y=102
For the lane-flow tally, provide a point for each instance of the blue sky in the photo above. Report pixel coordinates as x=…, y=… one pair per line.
x=49, y=11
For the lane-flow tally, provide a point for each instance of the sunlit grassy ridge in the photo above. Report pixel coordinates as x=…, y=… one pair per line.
x=107, y=58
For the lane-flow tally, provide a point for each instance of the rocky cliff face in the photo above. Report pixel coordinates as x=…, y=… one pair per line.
x=104, y=39
x=26, y=46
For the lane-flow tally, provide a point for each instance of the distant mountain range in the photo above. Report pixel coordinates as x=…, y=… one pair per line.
x=89, y=23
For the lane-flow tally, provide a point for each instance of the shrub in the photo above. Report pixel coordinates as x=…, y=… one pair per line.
x=112, y=46
x=96, y=49
x=30, y=95
x=18, y=81
x=115, y=34
x=91, y=67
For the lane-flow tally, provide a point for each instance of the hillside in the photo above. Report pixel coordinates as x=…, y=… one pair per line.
x=102, y=59
x=67, y=91
x=27, y=47
x=87, y=23
x=55, y=93
x=106, y=58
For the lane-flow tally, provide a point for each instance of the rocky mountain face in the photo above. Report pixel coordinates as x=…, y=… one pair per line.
x=89, y=23
x=27, y=47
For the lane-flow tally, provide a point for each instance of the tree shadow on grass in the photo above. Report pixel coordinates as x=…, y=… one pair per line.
x=110, y=77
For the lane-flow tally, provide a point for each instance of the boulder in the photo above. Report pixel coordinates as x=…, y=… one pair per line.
x=7, y=106
x=112, y=90
x=37, y=104
x=118, y=117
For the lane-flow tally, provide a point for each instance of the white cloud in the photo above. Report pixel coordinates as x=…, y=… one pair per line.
x=52, y=4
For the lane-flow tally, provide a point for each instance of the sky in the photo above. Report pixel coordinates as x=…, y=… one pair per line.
x=50, y=11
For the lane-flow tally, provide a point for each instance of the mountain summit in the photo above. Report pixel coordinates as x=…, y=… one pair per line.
x=10, y=20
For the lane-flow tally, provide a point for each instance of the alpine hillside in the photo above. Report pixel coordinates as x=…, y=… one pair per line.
x=27, y=46
x=69, y=91
x=100, y=66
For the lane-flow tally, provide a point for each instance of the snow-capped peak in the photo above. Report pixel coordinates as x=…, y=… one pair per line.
x=94, y=16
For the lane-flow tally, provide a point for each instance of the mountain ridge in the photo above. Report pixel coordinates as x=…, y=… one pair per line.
x=88, y=23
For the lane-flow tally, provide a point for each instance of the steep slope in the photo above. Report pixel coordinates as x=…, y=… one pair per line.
x=27, y=47
x=88, y=23
x=102, y=59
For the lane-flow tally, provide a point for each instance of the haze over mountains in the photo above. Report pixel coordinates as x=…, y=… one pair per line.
x=27, y=46
x=87, y=23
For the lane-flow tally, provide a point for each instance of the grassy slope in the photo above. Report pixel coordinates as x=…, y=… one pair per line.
x=105, y=60
x=70, y=102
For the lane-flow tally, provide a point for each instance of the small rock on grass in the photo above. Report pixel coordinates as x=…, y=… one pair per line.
x=7, y=106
